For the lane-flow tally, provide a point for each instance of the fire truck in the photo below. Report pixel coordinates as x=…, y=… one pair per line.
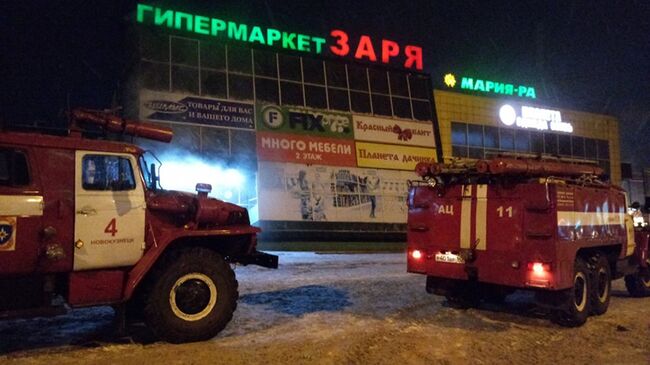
x=479, y=231
x=84, y=222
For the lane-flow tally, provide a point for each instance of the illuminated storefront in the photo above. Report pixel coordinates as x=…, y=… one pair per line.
x=481, y=118
x=320, y=132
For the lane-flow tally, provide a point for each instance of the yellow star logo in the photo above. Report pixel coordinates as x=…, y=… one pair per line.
x=3, y=234
x=450, y=80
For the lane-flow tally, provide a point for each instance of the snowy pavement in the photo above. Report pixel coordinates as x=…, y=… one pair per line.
x=346, y=309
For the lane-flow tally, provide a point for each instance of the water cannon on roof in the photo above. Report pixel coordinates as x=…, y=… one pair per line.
x=112, y=123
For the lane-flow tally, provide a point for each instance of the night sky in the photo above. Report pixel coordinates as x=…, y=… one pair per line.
x=584, y=55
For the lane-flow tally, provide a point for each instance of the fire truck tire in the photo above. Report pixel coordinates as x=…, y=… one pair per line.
x=602, y=286
x=638, y=285
x=577, y=304
x=192, y=298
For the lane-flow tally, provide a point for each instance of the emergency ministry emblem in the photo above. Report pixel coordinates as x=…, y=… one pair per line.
x=7, y=233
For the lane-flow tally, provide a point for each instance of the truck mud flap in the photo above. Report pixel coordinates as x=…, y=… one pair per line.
x=259, y=258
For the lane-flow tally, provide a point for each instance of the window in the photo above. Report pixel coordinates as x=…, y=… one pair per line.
x=185, y=51
x=13, y=168
x=458, y=133
x=421, y=110
x=106, y=172
x=338, y=99
x=265, y=64
x=536, y=142
x=267, y=90
x=564, y=145
x=241, y=87
x=213, y=55
x=313, y=71
x=336, y=75
x=316, y=97
x=522, y=141
x=475, y=135
x=491, y=137
x=290, y=68
x=358, y=78
x=603, y=149
x=378, y=81
x=291, y=93
x=360, y=102
x=213, y=83
x=591, y=148
x=239, y=59
x=185, y=79
x=381, y=105
x=419, y=87
x=578, y=147
x=398, y=85
x=506, y=140
x=402, y=107
x=550, y=144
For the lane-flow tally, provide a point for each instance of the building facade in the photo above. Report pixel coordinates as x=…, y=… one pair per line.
x=481, y=118
x=314, y=145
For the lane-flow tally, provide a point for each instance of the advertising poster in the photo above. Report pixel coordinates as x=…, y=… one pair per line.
x=317, y=123
x=392, y=131
x=392, y=157
x=303, y=149
x=180, y=108
x=294, y=192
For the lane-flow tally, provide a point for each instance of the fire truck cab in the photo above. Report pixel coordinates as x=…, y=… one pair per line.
x=84, y=222
x=480, y=231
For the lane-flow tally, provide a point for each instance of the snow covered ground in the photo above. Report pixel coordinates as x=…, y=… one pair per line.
x=346, y=309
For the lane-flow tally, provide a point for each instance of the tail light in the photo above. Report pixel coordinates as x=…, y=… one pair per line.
x=539, y=274
x=416, y=254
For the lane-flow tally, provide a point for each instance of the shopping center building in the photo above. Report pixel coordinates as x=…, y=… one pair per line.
x=318, y=134
x=479, y=118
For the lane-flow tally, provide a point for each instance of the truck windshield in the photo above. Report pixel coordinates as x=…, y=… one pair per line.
x=150, y=167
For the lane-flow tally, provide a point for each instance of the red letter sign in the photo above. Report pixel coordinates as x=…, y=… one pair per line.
x=365, y=49
x=388, y=49
x=341, y=41
x=413, y=55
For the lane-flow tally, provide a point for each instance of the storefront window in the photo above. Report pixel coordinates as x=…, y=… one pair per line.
x=316, y=97
x=239, y=59
x=506, y=140
x=358, y=78
x=578, y=146
x=475, y=135
x=603, y=149
x=336, y=75
x=313, y=71
x=338, y=99
x=421, y=109
x=267, y=90
x=591, y=149
x=381, y=105
x=522, y=141
x=564, y=145
x=378, y=81
x=291, y=93
x=401, y=107
x=490, y=137
x=458, y=133
x=213, y=55
x=419, y=87
x=154, y=76
x=265, y=64
x=360, y=102
x=213, y=83
x=290, y=68
x=536, y=142
x=398, y=84
x=185, y=79
x=185, y=51
x=550, y=144
x=240, y=87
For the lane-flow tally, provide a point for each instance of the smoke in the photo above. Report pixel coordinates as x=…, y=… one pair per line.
x=181, y=171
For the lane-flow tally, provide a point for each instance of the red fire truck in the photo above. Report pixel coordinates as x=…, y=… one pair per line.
x=84, y=222
x=480, y=231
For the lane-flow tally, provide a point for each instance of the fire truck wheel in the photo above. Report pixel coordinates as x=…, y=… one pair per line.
x=600, y=294
x=192, y=297
x=638, y=285
x=577, y=305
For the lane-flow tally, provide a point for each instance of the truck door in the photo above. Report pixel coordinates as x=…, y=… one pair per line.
x=110, y=211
